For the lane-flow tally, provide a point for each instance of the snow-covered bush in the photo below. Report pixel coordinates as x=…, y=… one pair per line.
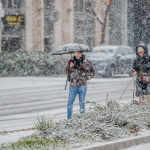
x=31, y=63
x=99, y=123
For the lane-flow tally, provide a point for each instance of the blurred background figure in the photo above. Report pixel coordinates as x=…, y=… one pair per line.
x=140, y=67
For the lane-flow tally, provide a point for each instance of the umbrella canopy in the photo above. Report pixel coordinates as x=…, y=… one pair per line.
x=71, y=48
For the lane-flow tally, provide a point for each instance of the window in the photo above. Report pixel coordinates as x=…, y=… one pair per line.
x=16, y=19
x=119, y=52
x=12, y=4
x=48, y=26
x=13, y=35
x=126, y=51
x=3, y=3
x=78, y=5
x=11, y=44
x=132, y=51
x=84, y=24
x=17, y=4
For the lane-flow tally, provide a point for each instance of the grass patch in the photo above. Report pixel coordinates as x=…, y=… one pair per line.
x=33, y=142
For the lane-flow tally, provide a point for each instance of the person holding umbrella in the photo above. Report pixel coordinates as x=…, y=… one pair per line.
x=79, y=70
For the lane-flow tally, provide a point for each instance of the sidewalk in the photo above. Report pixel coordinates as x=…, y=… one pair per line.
x=120, y=144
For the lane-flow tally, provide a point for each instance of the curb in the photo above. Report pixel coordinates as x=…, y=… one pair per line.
x=28, y=129
x=127, y=143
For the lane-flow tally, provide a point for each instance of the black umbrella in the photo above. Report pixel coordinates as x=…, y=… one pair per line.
x=71, y=48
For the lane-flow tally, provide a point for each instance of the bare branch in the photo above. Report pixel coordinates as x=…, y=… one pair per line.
x=95, y=14
x=98, y=17
x=104, y=2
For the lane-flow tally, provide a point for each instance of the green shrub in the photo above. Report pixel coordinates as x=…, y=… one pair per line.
x=22, y=63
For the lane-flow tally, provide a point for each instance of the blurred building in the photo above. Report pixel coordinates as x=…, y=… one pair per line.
x=138, y=22
x=129, y=22
x=118, y=22
x=27, y=25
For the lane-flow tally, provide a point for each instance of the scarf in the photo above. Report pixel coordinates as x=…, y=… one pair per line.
x=78, y=62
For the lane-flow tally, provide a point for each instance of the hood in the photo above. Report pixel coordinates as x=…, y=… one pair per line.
x=145, y=49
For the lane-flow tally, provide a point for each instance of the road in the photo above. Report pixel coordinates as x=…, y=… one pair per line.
x=23, y=99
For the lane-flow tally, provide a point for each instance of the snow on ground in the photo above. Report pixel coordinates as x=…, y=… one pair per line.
x=143, y=133
x=14, y=137
x=22, y=82
x=21, y=98
x=14, y=83
x=31, y=117
x=140, y=147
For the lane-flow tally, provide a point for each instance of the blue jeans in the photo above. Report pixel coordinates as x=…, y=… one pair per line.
x=73, y=91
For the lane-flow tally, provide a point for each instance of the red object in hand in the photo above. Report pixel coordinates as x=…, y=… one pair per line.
x=145, y=79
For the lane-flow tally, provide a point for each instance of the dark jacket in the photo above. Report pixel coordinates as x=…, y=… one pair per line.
x=80, y=73
x=145, y=61
x=141, y=88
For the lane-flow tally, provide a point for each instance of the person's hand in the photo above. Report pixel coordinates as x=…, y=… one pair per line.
x=71, y=64
x=134, y=73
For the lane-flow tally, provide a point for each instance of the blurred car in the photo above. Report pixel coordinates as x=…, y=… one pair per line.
x=110, y=60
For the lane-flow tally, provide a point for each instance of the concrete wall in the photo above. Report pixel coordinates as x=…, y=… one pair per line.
x=34, y=25
x=64, y=28
x=58, y=24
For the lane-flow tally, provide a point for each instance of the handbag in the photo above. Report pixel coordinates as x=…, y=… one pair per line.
x=144, y=77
